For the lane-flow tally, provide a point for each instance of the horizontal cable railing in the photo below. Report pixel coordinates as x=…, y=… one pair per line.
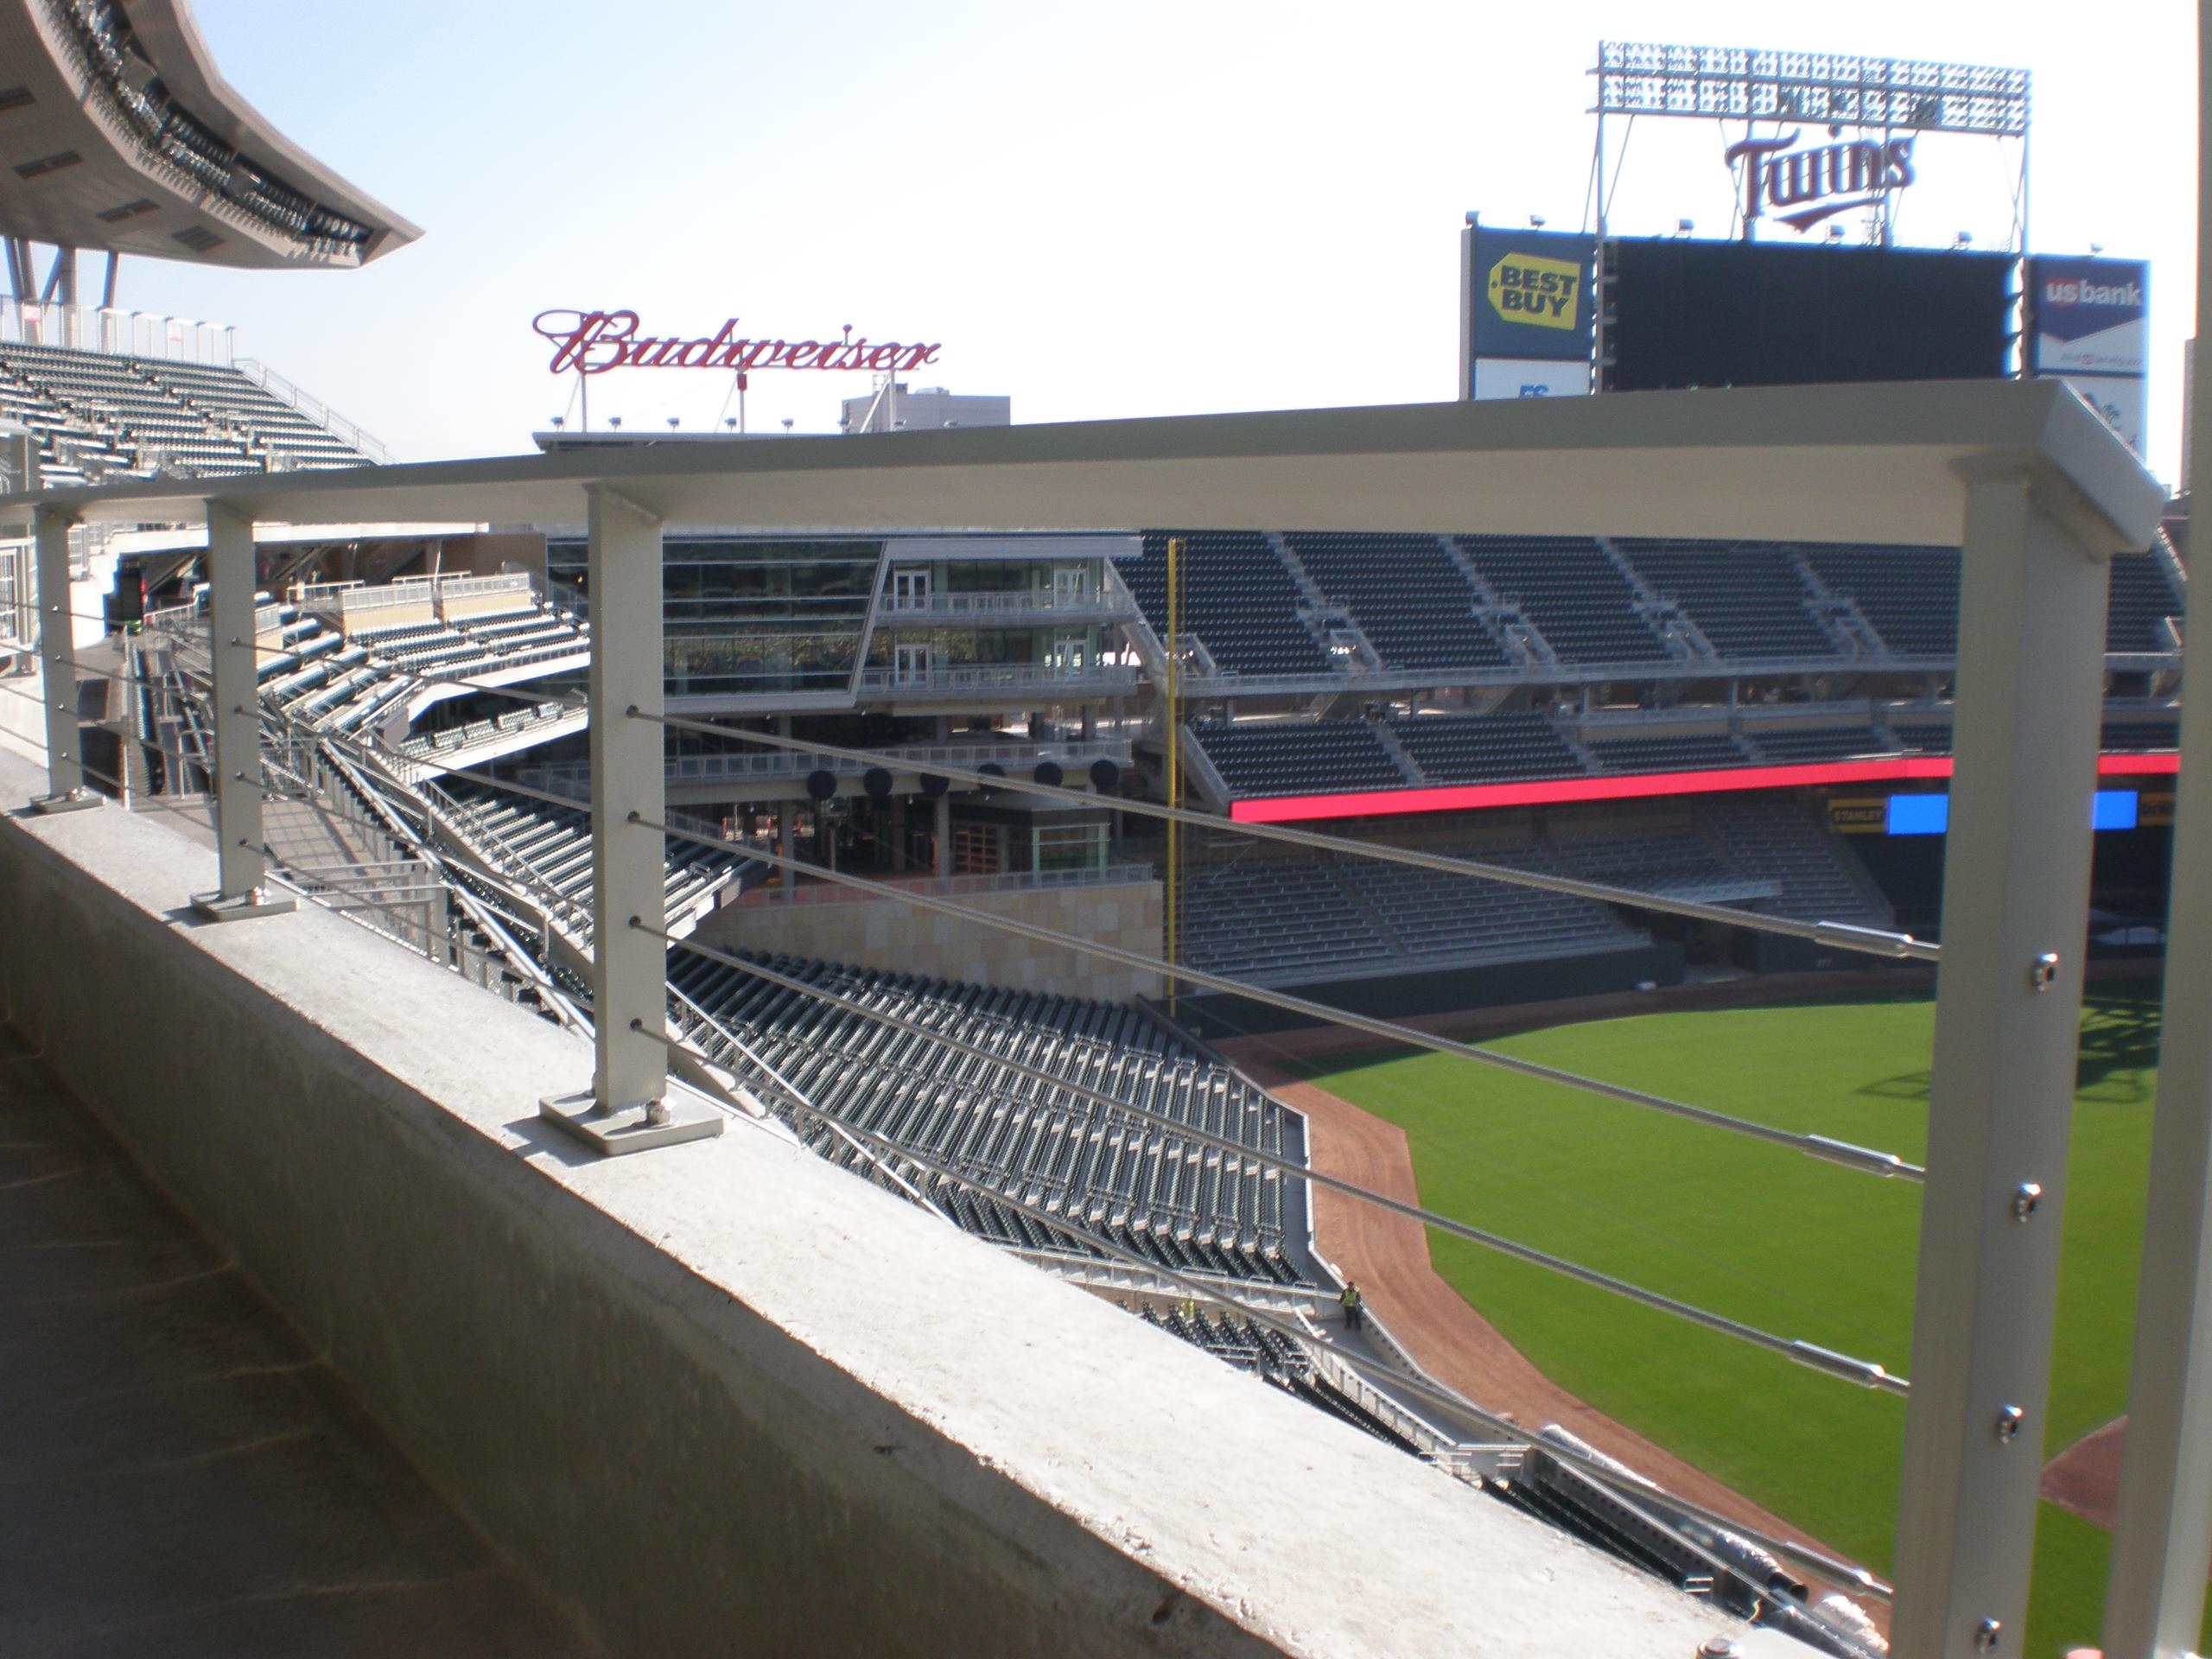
x=1997, y=1090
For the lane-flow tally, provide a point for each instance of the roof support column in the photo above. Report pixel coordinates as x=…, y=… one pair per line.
x=633, y=1104
x=2007, y=1026
x=235, y=696
x=57, y=654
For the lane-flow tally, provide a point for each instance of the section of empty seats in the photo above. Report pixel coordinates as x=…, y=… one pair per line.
x=1407, y=594
x=1798, y=745
x=1484, y=748
x=1275, y=918
x=1465, y=918
x=1911, y=594
x=1697, y=752
x=2147, y=733
x=545, y=851
x=1100, y=1174
x=1746, y=598
x=1567, y=587
x=1781, y=839
x=1922, y=736
x=94, y=416
x=2143, y=596
x=1237, y=597
x=1299, y=757
x=1299, y=919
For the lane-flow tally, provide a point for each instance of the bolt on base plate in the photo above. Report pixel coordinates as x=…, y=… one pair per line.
x=76, y=800
x=613, y=1130
x=214, y=907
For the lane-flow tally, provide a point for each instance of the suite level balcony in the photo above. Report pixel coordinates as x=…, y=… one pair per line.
x=907, y=682
x=1068, y=606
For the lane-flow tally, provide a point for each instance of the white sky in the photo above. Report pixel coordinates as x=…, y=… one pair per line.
x=1104, y=211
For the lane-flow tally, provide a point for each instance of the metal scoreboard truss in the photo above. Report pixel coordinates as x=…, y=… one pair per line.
x=1896, y=101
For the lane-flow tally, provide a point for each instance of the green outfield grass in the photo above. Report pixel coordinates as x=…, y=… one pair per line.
x=1796, y=1247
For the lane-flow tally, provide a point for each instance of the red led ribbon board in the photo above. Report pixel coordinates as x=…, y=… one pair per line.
x=1385, y=802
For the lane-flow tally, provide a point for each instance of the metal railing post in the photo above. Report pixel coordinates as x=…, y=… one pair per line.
x=57, y=654
x=633, y=1104
x=2162, y=1533
x=2154, y=1607
x=2007, y=1026
x=242, y=889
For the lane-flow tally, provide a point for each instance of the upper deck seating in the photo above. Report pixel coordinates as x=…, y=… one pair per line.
x=1911, y=594
x=1581, y=605
x=1746, y=598
x=1408, y=596
x=1237, y=598
x=2142, y=596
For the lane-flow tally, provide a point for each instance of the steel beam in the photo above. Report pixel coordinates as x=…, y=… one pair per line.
x=57, y=655
x=242, y=873
x=633, y=1105
x=2007, y=1026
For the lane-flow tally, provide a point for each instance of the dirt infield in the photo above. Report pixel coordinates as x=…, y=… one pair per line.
x=2084, y=1479
x=1388, y=1254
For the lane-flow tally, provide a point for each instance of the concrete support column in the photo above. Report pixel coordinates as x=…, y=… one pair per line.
x=1089, y=721
x=785, y=820
x=242, y=870
x=2000, y=1103
x=632, y=1105
x=57, y=653
x=945, y=834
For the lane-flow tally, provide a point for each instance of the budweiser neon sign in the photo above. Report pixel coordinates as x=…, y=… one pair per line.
x=1818, y=183
x=592, y=342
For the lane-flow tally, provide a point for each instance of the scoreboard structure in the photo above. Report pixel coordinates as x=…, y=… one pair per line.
x=1549, y=313
x=1684, y=314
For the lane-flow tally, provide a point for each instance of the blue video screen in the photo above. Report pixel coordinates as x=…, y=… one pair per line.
x=1931, y=815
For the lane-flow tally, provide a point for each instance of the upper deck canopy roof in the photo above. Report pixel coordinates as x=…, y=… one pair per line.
x=118, y=134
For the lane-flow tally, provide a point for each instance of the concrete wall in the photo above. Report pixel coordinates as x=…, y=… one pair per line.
x=885, y=933
x=726, y=1398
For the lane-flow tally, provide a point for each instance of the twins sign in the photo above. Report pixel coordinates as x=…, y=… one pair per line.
x=1804, y=186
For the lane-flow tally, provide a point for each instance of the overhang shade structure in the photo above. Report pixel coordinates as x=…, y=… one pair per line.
x=118, y=134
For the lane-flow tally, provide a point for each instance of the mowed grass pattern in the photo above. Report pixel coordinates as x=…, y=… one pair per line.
x=1782, y=1241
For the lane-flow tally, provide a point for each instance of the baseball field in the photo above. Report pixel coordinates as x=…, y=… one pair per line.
x=1798, y=1247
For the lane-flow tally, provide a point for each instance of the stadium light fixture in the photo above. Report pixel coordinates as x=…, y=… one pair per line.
x=1965, y=239
x=559, y=421
x=2095, y=248
x=1684, y=226
x=674, y=421
x=1535, y=221
x=614, y=420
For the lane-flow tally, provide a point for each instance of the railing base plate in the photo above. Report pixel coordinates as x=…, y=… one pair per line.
x=614, y=1130
x=76, y=800
x=214, y=907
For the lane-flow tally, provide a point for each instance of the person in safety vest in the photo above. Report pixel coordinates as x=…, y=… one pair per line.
x=1353, y=1305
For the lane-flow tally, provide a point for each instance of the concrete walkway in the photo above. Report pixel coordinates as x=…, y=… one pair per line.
x=178, y=1475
